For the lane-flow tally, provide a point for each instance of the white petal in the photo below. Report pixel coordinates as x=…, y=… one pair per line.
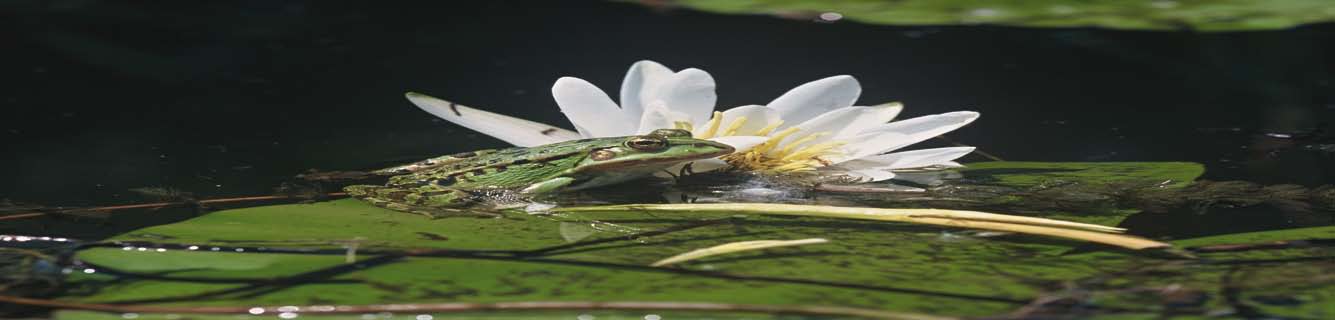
x=589, y=109
x=757, y=117
x=899, y=134
x=928, y=178
x=513, y=130
x=741, y=143
x=642, y=80
x=917, y=158
x=705, y=165
x=658, y=116
x=813, y=98
x=870, y=174
x=870, y=118
x=844, y=123
x=690, y=91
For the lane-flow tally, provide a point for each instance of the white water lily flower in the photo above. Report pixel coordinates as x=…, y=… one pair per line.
x=646, y=94
x=811, y=128
x=815, y=127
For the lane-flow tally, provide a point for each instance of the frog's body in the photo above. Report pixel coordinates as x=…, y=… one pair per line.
x=436, y=185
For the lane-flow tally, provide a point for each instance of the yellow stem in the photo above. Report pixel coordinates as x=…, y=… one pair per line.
x=950, y=218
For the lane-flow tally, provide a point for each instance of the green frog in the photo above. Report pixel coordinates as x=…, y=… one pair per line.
x=441, y=186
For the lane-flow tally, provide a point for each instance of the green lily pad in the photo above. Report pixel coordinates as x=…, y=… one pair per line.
x=1029, y=174
x=523, y=257
x=1200, y=15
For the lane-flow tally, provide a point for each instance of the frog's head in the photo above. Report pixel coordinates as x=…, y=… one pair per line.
x=657, y=149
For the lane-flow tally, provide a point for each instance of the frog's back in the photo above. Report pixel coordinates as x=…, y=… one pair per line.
x=504, y=169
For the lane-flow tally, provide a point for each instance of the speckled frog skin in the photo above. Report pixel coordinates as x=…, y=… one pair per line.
x=434, y=186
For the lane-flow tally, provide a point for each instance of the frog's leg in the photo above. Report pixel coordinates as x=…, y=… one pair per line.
x=430, y=163
x=548, y=186
x=432, y=201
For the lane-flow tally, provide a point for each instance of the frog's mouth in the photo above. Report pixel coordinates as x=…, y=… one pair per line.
x=696, y=150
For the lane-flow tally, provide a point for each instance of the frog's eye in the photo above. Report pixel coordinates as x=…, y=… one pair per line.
x=647, y=143
x=602, y=154
x=671, y=133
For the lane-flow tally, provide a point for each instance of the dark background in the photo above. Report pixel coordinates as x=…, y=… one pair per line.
x=232, y=97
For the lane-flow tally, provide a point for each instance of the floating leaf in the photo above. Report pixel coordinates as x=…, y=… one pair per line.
x=897, y=267
x=734, y=247
x=1218, y=15
x=951, y=218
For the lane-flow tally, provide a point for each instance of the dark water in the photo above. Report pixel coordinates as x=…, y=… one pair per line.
x=228, y=98
x=233, y=98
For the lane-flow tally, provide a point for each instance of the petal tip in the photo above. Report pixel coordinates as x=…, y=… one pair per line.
x=692, y=72
x=418, y=98
x=646, y=62
x=843, y=77
x=568, y=79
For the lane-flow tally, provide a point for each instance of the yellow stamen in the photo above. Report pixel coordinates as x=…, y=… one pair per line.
x=684, y=125
x=795, y=166
x=799, y=142
x=813, y=152
x=734, y=126
x=776, y=139
x=793, y=157
x=713, y=124
x=767, y=129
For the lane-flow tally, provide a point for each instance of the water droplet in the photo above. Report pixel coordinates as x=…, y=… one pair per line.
x=424, y=317
x=287, y=315
x=288, y=309
x=129, y=315
x=89, y=270
x=256, y=311
x=161, y=250
x=193, y=248
x=584, y=317
x=652, y=317
x=831, y=16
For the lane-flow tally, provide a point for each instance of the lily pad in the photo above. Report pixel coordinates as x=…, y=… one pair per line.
x=1199, y=15
x=1029, y=174
x=298, y=255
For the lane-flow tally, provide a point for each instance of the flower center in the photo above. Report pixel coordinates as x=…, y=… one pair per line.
x=774, y=155
x=716, y=128
x=796, y=156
